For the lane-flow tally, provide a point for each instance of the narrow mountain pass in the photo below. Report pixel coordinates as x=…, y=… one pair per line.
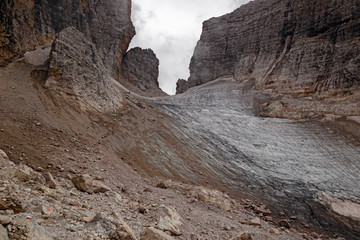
x=301, y=167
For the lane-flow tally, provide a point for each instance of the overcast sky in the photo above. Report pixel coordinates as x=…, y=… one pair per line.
x=171, y=28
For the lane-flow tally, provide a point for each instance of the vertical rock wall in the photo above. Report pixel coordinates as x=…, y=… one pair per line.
x=287, y=46
x=28, y=23
x=140, y=71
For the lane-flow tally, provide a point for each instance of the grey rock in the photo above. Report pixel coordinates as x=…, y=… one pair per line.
x=86, y=184
x=22, y=227
x=123, y=231
x=107, y=25
x=11, y=203
x=284, y=223
x=113, y=226
x=295, y=49
x=140, y=71
x=3, y=233
x=50, y=181
x=154, y=234
x=171, y=221
x=4, y=220
x=25, y=174
x=181, y=86
x=101, y=223
x=77, y=73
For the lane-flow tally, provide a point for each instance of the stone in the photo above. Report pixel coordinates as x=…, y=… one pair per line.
x=85, y=219
x=118, y=198
x=140, y=71
x=284, y=223
x=25, y=174
x=255, y=222
x=142, y=209
x=268, y=219
x=210, y=196
x=11, y=203
x=245, y=236
x=81, y=78
x=279, y=58
x=171, y=222
x=275, y=231
x=44, y=210
x=50, y=181
x=3, y=233
x=123, y=231
x=161, y=185
x=101, y=223
x=262, y=210
x=21, y=226
x=154, y=234
x=5, y=220
x=86, y=184
x=4, y=159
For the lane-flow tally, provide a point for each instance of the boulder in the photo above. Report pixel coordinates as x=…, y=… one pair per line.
x=123, y=231
x=284, y=223
x=113, y=226
x=5, y=220
x=101, y=223
x=50, y=181
x=25, y=174
x=154, y=234
x=4, y=159
x=11, y=203
x=210, y=196
x=255, y=222
x=171, y=222
x=86, y=184
x=45, y=210
x=3, y=233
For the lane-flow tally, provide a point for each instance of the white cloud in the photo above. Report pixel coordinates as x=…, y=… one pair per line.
x=171, y=28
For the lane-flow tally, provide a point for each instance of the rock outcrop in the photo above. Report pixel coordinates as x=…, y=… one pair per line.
x=140, y=71
x=181, y=86
x=26, y=24
x=77, y=72
x=298, y=49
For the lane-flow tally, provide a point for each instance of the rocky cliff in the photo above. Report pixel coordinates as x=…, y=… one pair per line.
x=292, y=49
x=26, y=24
x=140, y=71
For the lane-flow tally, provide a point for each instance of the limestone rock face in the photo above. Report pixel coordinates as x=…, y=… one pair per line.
x=28, y=23
x=77, y=72
x=181, y=86
x=141, y=69
x=3, y=233
x=288, y=47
